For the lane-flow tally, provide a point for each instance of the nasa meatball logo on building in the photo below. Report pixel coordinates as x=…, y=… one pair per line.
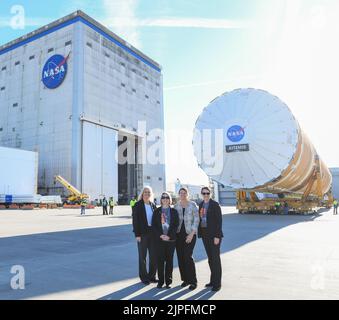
x=236, y=134
x=54, y=71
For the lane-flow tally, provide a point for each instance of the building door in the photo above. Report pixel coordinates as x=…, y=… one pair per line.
x=128, y=169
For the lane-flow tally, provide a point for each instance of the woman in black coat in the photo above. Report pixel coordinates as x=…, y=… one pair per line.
x=210, y=231
x=142, y=215
x=165, y=224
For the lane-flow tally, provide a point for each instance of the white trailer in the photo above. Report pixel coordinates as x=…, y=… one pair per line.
x=18, y=175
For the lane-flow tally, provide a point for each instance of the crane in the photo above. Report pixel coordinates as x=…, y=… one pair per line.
x=75, y=196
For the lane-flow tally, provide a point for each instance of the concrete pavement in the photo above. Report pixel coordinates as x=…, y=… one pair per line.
x=66, y=256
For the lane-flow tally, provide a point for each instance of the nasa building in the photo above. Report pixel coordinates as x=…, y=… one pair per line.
x=88, y=103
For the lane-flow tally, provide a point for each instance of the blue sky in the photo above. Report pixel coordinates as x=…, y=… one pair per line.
x=287, y=47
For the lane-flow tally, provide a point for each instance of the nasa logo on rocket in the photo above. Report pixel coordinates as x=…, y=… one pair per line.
x=236, y=133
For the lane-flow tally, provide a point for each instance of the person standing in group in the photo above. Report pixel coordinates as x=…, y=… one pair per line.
x=210, y=230
x=186, y=238
x=104, y=206
x=335, y=207
x=83, y=205
x=165, y=225
x=132, y=202
x=111, y=205
x=142, y=216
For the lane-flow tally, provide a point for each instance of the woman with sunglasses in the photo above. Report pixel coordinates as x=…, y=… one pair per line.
x=142, y=215
x=210, y=230
x=186, y=238
x=165, y=225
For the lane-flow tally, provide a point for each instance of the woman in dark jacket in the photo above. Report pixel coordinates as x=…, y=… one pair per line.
x=210, y=231
x=142, y=227
x=165, y=225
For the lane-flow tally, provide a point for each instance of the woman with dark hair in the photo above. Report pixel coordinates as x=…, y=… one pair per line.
x=210, y=230
x=142, y=215
x=186, y=238
x=165, y=225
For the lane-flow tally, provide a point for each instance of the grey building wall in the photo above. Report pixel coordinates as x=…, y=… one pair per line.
x=33, y=117
x=335, y=183
x=107, y=87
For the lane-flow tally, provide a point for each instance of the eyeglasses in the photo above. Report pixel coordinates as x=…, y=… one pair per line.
x=205, y=193
x=165, y=198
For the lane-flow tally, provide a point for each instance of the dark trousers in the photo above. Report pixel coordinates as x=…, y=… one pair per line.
x=104, y=210
x=335, y=210
x=111, y=210
x=185, y=257
x=213, y=254
x=147, y=244
x=165, y=253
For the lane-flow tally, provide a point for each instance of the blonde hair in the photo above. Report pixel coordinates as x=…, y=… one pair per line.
x=186, y=190
x=142, y=193
x=167, y=194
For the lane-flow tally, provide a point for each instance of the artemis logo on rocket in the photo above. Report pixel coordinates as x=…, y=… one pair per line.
x=54, y=71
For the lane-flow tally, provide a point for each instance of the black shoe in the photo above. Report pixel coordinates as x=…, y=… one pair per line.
x=184, y=284
x=168, y=286
x=154, y=281
x=215, y=289
x=193, y=286
x=145, y=282
x=208, y=285
x=159, y=286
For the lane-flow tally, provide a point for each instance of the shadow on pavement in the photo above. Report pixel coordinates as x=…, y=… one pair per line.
x=80, y=259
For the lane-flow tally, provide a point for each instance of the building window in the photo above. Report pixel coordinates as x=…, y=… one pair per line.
x=134, y=90
x=1, y=129
x=31, y=57
x=4, y=68
x=160, y=179
x=145, y=77
x=13, y=129
x=123, y=126
x=122, y=64
x=157, y=84
x=123, y=85
x=89, y=44
x=15, y=105
x=50, y=50
x=17, y=63
x=134, y=70
x=148, y=178
x=158, y=102
x=68, y=43
x=107, y=55
x=3, y=88
x=146, y=96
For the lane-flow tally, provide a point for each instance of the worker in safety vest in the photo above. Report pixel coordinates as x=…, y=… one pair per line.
x=104, y=206
x=83, y=205
x=132, y=202
x=335, y=207
x=277, y=206
x=111, y=205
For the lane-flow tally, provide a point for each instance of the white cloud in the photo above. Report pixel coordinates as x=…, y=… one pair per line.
x=240, y=80
x=120, y=15
x=29, y=22
x=177, y=22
